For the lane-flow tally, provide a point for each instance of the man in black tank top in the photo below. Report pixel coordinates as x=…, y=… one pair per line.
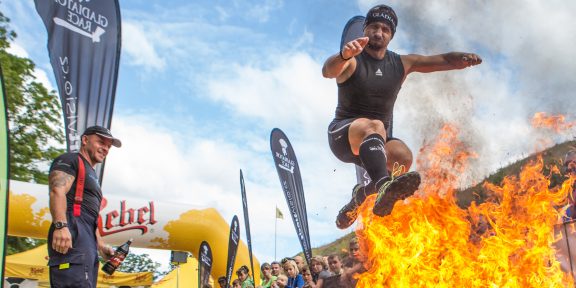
x=369, y=77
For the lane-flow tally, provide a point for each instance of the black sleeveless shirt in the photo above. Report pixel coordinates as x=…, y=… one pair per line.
x=372, y=90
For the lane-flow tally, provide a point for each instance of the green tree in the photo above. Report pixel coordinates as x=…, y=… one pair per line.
x=140, y=263
x=19, y=244
x=34, y=115
x=35, y=124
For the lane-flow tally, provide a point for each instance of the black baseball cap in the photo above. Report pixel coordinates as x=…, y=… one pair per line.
x=103, y=132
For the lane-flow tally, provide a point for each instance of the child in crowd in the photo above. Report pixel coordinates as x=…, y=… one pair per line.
x=281, y=282
x=335, y=264
x=295, y=280
x=307, y=276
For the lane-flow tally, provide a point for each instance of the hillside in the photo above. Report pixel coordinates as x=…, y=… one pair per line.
x=552, y=156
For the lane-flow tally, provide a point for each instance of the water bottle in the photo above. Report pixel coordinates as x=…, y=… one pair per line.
x=119, y=255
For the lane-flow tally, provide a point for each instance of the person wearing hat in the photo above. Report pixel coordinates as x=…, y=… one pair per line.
x=73, y=238
x=369, y=77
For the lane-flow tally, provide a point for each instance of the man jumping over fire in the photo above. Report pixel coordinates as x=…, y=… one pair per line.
x=369, y=77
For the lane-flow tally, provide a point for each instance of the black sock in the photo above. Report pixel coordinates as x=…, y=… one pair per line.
x=373, y=158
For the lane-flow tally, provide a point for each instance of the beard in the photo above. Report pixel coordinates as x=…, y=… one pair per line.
x=376, y=43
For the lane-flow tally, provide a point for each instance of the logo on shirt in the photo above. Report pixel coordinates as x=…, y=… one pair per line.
x=60, y=163
x=379, y=72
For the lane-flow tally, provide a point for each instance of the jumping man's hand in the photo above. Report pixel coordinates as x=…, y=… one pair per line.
x=354, y=47
x=62, y=240
x=469, y=59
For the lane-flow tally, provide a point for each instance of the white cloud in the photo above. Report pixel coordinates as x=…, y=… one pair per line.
x=140, y=48
x=262, y=11
x=17, y=50
x=289, y=93
x=223, y=15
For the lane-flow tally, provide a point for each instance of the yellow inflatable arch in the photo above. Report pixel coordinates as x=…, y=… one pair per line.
x=152, y=224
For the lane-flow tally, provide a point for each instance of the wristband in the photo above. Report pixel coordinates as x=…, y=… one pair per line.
x=342, y=57
x=60, y=225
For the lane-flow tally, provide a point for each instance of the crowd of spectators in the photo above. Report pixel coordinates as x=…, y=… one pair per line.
x=331, y=271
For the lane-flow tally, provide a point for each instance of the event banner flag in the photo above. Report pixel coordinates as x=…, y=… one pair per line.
x=291, y=181
x=3, y=172
x=246, y=221
x=204, y=265
x=232, y=247
x=84, y=48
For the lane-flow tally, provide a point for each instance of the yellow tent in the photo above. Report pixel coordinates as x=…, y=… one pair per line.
x=32, y=264
x=185, y=276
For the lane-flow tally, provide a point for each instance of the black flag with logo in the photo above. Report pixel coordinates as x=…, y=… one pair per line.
x=84, y=49
x=204, y=264
x=233, y=242
x=246, y=220
x=291, y=182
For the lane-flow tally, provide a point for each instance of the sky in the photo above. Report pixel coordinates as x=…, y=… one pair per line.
x=202, y=84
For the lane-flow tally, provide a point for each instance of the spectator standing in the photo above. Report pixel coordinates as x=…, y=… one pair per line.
x=295, y=280
x=244, y=277
x=267, y=277
x=319, y=269
x=307, y=276
x=335, y=264
x=276, y=268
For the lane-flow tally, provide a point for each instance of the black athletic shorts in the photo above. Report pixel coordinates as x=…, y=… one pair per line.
x=339, y=144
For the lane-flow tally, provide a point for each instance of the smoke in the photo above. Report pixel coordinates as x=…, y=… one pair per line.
x=526, y=47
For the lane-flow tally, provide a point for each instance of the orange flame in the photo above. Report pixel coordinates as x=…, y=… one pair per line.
x=428, y=241
x=557, y=123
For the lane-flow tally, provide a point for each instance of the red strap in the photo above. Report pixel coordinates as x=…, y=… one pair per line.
x=79, y=196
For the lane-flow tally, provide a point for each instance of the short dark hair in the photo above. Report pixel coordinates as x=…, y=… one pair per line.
x=264, y=265
x=305, y=268
x=243, y=269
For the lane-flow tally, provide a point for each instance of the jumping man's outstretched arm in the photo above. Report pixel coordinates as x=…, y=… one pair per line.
x=342, y=64
x=442, y=62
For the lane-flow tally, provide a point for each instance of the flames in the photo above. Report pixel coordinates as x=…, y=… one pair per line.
x=429, y=241
x=557, y=123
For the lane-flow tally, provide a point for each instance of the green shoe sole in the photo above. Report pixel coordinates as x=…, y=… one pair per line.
x=400, y=188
